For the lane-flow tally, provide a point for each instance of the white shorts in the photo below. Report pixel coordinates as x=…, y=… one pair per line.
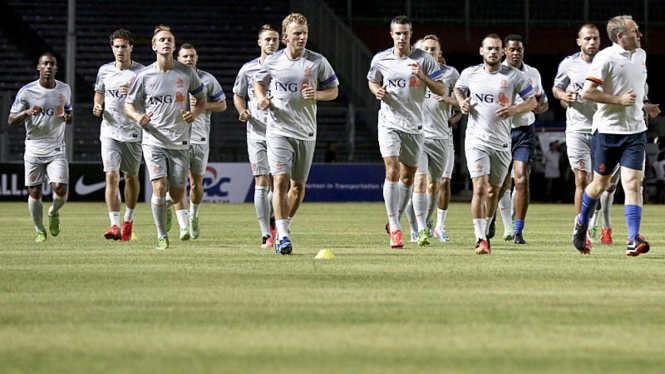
x=483, y=160
x=579, y=151
x=433, y=158
x=38, y=168
x=198, y=158
x=172, y=164
x=290, y=156
x=258, y=156
x=450, y=160
x=123, y=156
x=397, y=143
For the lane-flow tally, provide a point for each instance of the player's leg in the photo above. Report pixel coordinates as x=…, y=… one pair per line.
x=522, y=198
x=411, y=154
x=444, y=195
x=281, y=153
x=156, y=164
x=35, y=176
x=632, y=166
x=390, y=145
x=302, y=163
x=506, y=206
x=111, y=156
x=258, y=158
x=58, y=173
x=418, y=196
x=180, y=163
x=130, y=165
x=478, y=163
x=606, y=201
x=579, y=157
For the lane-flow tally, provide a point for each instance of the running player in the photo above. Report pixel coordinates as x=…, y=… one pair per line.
x=491, y=89
x=44, y=107
x=160, y=92
x=248, y=109
x=400, y=77
x=617, y=82
x=199, y=144
x=119, y=135
x=523, y=145
x=293, y=75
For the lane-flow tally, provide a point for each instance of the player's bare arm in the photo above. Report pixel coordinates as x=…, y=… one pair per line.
x=98, y=108
x=567, y=96
x=464, y=102
x=241, y=107
x=508, y=111
x=17, y=119
x=591, y=92
x=199, y=106
x=260, y=93
x=541, y=105
x=437, y=87
x=377, y=90
x=141, y=119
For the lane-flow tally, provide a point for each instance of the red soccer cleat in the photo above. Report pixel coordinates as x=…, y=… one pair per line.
x=606, y=236
x=113, y=233
x=396, y=239
x=483, y=247
x=126, y=231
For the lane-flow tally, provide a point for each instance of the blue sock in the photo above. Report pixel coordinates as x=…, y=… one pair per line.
x=633, y=219
x=519, y=226
x=588, y=206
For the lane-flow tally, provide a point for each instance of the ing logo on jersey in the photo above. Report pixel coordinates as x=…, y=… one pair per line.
x=180, y=83
x=179, y=98
x=504, y=83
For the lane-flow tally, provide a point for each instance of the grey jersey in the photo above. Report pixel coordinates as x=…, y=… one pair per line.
x=488, y=92
x=115, y=124
x=45, y=131
x=526, y=119
x=290, y=114
x=244, y=87
x=437, y=112
x=402, y=107
x=214, y=94
x=164, y=95
x=570, y=77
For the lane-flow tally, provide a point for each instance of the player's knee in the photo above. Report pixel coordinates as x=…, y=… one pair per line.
x=36, y=192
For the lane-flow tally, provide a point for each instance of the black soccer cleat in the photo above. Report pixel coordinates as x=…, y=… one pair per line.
x=580, y=240
x=637, y=247
x=518, y=239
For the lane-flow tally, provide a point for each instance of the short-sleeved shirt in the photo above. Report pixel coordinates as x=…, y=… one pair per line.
x=244, y=87
x=488, y=91
x=570, y=77
x=165, y=95
x=115, y=124
x=618, y=71
x=437, y=112
x=526, y=119
x=291, y=115
x=44, y=132
x=402, y=107
x=214, y=94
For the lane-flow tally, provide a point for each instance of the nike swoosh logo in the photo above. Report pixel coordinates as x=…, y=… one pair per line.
x=86, y=189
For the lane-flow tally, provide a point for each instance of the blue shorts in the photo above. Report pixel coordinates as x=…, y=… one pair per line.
x=612, y=149
x=523, y=143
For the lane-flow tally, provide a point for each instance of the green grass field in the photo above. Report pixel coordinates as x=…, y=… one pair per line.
x=220, y=304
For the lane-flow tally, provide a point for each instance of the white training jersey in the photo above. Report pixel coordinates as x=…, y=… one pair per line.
x=570, y=77
x=402, y=106
x=244, y=87
x=45, y=131
x=115, y=124
x=214, y=94
x=437, y=113
x=488, y=92
x=526, y=119
x=617, y=71
x=164, y=95
x=290, y=114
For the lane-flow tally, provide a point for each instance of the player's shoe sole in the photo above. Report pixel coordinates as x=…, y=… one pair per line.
x=113, y=233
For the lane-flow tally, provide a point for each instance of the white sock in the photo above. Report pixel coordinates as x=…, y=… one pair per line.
x=441, y=218
x=183, y=218
x=194, y=210
x=36, y=209
x=158, y=207
x=282, y=228
x=168, y=198
x=432, y=206
x=404, y=197
x=411, y=216
x=488, y=220
x=505, y=209
x=262, y=208
x=479, y=228
x=594, y=218
x=420, y=204
x=58, y=202
x=129, y=215
x=115, y=218
x=269, y=198
x=290, y=221
x=606, y=201
x=391, y=198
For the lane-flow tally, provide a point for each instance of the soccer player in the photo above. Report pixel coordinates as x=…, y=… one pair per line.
x=438, y=139
x=293, y=75
x=199, y=144
x=400, y=77
x=617, y=82
x=523, y=144
x=160, y=92
x=119, y=135
x=248, y=109
x=487, y=94
x=568, y=84
x=44, y=107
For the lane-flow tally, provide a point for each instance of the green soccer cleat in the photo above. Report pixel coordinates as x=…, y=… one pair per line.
x=54, y=224
x=194, y=227
x=594, y=234
x=184, y=234
x=41, y=237
x=423, y=238
x=169, y=219
x=508, y=233
x=163, y=243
